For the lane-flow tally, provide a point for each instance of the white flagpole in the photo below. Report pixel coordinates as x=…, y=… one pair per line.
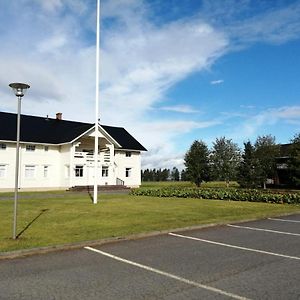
x=95, y=198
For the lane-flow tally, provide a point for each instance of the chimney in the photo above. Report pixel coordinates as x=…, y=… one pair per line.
x=58, y=116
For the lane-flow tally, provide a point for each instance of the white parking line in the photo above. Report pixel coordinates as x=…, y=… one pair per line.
x=266, y=230
x=233, y=246
x=169, y=275
x=284, y=220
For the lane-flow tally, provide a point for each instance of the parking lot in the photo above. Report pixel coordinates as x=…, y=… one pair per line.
x=249, y=260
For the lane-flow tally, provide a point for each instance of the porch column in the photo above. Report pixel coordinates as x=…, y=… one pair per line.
x=72, y=155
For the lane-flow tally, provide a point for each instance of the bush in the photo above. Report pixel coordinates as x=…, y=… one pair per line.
x=250, y=195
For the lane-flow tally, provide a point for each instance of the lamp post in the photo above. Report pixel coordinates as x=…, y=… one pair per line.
x=19, y=90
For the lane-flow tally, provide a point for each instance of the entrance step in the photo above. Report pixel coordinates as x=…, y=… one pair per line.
x=104, y=188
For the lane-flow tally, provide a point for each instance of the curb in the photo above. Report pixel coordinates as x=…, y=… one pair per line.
x=80, y=245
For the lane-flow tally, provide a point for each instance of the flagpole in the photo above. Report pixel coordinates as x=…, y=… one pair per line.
x=96, y=175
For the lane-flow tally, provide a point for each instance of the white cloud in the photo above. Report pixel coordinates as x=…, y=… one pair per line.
x=140, y=64
x=180, y=108
x=213, y=82
x=247, y=106
x=50, y=5
x=140, y=61
x=52, y=44
x=252, y=125
x=277, y=26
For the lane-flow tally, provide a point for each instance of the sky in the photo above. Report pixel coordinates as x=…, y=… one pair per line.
x=171, y=71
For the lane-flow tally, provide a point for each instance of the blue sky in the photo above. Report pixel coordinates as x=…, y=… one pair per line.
x=171, y=71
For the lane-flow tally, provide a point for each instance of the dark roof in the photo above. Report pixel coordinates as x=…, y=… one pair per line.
x=285, y=150
x=53, y=131
x=123, y=137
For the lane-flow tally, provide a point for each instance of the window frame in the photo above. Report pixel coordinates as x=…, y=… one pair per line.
x=79, y=171
x=4, y=171
x=128, y=172
x=30, y=171
x=104, y=171
x=46, y=171
x=30, y=148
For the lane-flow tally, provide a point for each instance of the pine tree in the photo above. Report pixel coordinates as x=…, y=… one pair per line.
x=197, y=162
x=247, y=170
x=266, y=152
x=294, y=161
x=225, y=159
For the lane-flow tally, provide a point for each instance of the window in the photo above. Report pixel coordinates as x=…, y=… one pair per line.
x=128, y=172
x=2, y=146
x=128, y=154
x=46, y=170
x=30, y=148
x=46, y=148
x=104, y=171
x=29, y=171
x=78, y=171
x=2, y=171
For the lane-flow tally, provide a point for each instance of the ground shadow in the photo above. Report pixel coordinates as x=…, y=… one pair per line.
x=31, y=222
x=90, y=193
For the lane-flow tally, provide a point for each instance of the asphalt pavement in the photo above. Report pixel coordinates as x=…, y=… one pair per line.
x=249, y=260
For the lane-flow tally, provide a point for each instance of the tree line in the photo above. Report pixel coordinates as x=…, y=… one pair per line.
x=225, y=161
x=250, y=167
x=163, y=174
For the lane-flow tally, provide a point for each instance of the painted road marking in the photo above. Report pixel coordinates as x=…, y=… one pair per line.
x=261, y=229
x=169, y=275
x=284, y=220
x=233, y=246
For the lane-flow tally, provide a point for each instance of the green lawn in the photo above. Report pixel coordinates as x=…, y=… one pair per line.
x=50, y=219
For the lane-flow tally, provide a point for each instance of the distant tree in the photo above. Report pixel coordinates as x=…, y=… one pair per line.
x=225, y=159
x=155, y=175
x=183, y=176
x=266, y=152
x=197, y=162
x=165, y=174
x=294, y=161
x=145, y=175
x=175, y=174
x=247, y=170
x=158, y=175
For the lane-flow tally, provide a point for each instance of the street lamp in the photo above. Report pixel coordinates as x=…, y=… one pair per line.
x=19, y=90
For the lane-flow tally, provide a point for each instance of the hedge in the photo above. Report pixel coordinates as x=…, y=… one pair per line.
x=250, y=195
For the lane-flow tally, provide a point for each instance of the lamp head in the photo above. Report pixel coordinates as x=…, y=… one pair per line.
x=19, y=88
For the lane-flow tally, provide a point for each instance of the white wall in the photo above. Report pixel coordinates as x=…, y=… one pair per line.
x=133, y=162
x=39, y=160
x=57, y=159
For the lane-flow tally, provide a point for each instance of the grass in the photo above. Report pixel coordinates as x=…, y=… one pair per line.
x=48, y=219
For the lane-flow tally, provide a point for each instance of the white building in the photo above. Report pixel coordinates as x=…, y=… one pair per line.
x=59, y=154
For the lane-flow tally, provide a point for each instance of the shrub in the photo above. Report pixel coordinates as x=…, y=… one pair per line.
x=251, y=195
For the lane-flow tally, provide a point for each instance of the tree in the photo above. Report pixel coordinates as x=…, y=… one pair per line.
x=165, y=174
x=183, y=176
x=197, y=162
x=247, y=170
x=266, y=152
x=225, y=159
x=294, y=161
x=175, y=174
